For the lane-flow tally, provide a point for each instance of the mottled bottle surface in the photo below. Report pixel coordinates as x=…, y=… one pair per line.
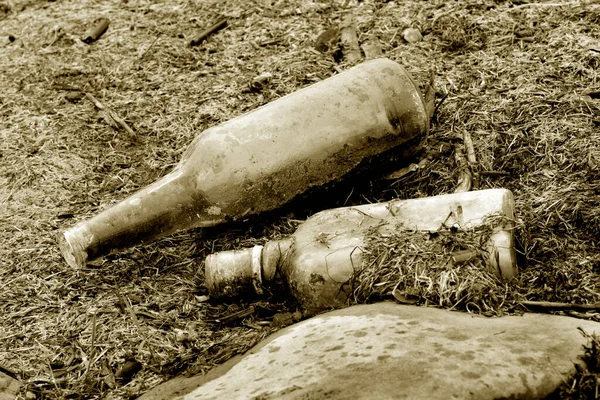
x=260, y=160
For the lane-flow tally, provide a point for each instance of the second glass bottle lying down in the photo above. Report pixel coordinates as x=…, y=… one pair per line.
x=261, y=160
x=317, y=262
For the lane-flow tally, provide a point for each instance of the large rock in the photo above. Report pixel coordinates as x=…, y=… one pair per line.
x=391, y=351
x=9, y=387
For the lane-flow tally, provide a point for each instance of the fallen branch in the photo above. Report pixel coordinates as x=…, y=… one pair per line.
x=560, y=306
x=209, y=31
x=110, y=116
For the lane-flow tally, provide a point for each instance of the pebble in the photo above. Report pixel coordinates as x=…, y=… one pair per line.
x=412, y=35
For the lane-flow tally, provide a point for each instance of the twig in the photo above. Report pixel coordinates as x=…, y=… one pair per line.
x=469, y=147
x=430, y=95
x=96, y=31
x=133, y=316
x=560, y=306
x=93, y=340
x=148, y=49
x=465, y=181
x=270, y=42
x=235, y=316
x=209, y=31
x=439, y=104
x=110, y=116
x=494, y=173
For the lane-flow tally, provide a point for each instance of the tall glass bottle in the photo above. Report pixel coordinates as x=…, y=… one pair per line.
x=260, y=160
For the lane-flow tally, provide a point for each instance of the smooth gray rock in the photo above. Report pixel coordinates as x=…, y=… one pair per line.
x=9, y=387
x=391, y=351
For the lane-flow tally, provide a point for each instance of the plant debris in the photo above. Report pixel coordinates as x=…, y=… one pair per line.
x=585, y=384
x=446, y=268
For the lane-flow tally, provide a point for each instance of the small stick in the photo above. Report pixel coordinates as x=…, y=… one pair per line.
x=148, y=49
x=236, y=316
x=270, y=42
x=464, y=176
x=209, y=31
x=430, y=95
x=470, y=149
x=133, y=316
x=494, y=173
x=93, y=340
x=98, y=30
x=560, y=306
x=111, y=117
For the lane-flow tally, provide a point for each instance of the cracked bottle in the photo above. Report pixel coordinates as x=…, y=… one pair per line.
x=318, y=261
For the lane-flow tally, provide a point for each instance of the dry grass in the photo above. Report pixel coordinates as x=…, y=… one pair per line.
x=515, y=76
x=422, y=268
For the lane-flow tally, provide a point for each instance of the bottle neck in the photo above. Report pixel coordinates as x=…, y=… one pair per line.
x=236, y=272
x=273, y=255
x=170, y=204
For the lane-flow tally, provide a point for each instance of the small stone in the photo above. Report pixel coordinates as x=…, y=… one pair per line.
x=366, y=351
x=259, y=82
x=74, y=96
x=282, y=319
x=128, y=370
x=181, y=336
x=412, y=35
x=202, y=299
x=328, y=40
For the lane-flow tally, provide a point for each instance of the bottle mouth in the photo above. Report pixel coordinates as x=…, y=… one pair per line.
x=230, y=273
x=72, y=246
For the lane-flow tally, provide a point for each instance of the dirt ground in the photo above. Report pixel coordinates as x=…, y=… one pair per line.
x=520, y=77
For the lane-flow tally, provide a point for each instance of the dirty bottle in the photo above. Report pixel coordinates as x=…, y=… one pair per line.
x=322, y=255
x=260, y=160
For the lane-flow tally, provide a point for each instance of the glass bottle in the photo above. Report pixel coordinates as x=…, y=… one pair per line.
x=319, y=259
x=262, y=159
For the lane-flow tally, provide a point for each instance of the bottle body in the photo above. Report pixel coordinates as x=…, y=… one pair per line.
x=260, y=160
x=322, y=256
